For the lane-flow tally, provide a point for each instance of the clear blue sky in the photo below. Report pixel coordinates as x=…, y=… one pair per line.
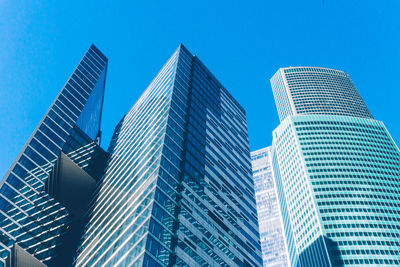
x=242, y=42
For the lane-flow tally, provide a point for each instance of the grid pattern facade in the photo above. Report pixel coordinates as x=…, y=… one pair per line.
x=299, y=201
x=313, y=90
x=291, y=246
x=178, y=187
x=273, y=246
x=351, y=169
x=116, y=233
x=27, y=214
x=281, y=95
x=217, y=218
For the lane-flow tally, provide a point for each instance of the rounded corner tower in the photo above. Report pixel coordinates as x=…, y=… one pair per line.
x=337, y=172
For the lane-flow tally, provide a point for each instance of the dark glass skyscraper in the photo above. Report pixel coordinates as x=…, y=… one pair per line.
x=177, y=189
x=31, y=215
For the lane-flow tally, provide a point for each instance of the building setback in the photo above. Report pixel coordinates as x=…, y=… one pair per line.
x=337, y=172
x=273, y=246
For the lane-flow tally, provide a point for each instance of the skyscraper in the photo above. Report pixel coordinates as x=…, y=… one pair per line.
x=32, y=218
x=337, y=172
x=273, y=246
x=178, y=186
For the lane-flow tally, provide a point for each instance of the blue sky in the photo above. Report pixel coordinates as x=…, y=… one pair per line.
x=242, y=42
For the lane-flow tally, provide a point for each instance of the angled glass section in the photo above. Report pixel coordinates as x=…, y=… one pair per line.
x=90, y=119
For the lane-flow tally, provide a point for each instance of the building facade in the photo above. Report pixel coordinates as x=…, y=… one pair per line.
x=30, y=216
x=313, y=90
x=178, y=188
x=273, y=245
x=337, y=172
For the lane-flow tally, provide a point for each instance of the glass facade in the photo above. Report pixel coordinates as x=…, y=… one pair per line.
x=337, y=179
x=29, y=216
x=312, y=90
x=273, y=246
x=177, y=189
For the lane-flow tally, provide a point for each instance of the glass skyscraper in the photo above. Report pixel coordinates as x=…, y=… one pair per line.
x=31, y=217
x=175, y=187
x=273, y=246
x=178, y=187
x=337, y=172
